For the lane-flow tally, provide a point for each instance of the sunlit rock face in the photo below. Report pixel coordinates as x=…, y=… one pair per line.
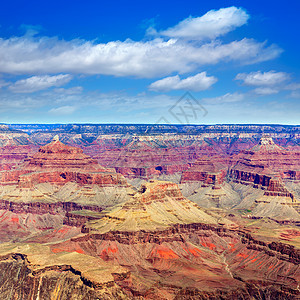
x=156, y=205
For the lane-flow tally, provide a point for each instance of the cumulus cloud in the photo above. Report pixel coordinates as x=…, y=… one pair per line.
x=145, y=59
x=259, y=78
x=198, y=82
x=37, y=83
x=209, y=26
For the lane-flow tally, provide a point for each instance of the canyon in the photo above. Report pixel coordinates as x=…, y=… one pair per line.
x=149, y=212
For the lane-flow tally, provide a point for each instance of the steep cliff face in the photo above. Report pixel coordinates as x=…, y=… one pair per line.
x=22, y=280
x=153, y=150
x=147, y=156
x=208, y=170
x=267, y=166
x=187, y=261
x=259, y=164
x=126, y=254
x=147, y=160
x=108, y=133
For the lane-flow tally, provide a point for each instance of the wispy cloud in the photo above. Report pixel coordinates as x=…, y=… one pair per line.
x=226, y=98
x=31, y=30
x=209, y=26
x=266, y=90
x=38, y=83
x=259, y=78
x=295, y=94
x=62, y=102
x=70, y=91
x=293, y=86
x=198, y=82
x=268, y=83
x=63, y=110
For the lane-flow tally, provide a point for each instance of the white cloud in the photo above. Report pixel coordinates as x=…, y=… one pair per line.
x=226, y=98
x=63, y=110
x=198, y=82
x=94, y=101
x=145, y=59
x=259, y=78
x=211, y=25
x=70, y=91
x=268, y=83
x=37, y=83
x=266, y=91
x=292, y=86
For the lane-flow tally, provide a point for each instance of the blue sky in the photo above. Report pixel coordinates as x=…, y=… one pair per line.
x=131, y=61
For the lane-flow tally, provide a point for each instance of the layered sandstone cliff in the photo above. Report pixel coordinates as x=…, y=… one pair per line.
x=208, y=170
x=58, y=163
x=265, y=165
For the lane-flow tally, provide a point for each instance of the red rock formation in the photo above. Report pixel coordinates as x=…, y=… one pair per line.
x=40, y=208
x=159, y=191
x=147, y=162
x=265, y=165
x=58, y=163
x=77, y=220
x=57, y=155
x=148, y=156
x=20, y=279
x=13, y=155
x=207, y=170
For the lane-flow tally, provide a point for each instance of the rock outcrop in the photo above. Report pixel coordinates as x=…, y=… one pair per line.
x=265, y=165
x=11, y=156
x=156, y=205
x=208, y=170
x=58, y=163
x=259, y=164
